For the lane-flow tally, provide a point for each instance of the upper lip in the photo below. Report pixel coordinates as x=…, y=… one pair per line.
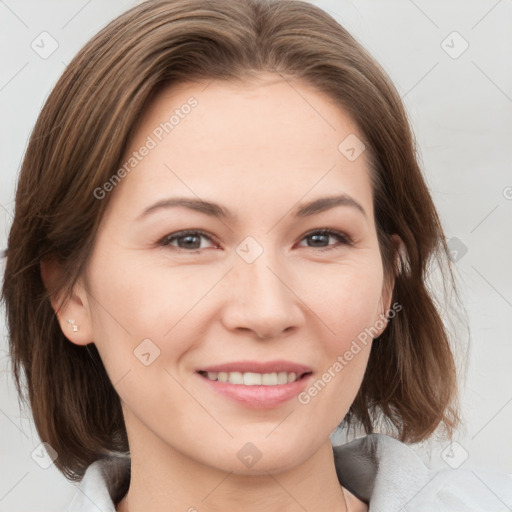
x=258, y=367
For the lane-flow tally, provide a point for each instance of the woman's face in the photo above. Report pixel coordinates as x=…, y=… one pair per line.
x=237, y=277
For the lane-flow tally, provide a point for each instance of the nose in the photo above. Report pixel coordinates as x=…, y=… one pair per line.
x=261, y=300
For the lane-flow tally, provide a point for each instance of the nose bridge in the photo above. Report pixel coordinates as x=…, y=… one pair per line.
x=261, y=296
x=264, y=289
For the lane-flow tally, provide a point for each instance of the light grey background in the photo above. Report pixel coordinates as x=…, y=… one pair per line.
x=460, y=106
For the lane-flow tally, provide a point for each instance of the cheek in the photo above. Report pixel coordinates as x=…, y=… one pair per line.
x=348, y=306
x=127, y=296
x=126, y=309
x=133, y=302
x=345, y=297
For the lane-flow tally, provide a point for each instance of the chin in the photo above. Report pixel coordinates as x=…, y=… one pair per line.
x=256, y=459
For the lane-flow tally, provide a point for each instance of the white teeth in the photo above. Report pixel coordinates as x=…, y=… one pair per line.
x=253, y=379
x=236, y=377
x=282, y=378
x=269, y=379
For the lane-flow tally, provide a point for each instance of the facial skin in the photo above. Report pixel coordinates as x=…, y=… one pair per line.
x=260, y=149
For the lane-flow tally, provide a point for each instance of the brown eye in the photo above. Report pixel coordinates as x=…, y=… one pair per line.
x=188, y=240
x=320, y=239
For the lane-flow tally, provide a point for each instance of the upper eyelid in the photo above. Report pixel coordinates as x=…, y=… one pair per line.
x=186, y=232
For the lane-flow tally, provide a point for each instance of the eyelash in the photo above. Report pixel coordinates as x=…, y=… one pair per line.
x=341, y=237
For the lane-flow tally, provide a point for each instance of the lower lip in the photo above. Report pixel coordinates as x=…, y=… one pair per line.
x=258, y=397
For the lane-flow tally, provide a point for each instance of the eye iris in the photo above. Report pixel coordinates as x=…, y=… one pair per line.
x=319, y=240
x=191, y=241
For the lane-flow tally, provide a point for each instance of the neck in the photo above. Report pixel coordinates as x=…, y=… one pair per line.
x=164, y=479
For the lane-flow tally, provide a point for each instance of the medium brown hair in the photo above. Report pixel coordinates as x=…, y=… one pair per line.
x=77, y=145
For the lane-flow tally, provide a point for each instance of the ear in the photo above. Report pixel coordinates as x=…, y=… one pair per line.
x=389, y=284
x=72, y=311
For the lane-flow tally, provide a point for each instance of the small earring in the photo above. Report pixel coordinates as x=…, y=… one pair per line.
x=72, y=322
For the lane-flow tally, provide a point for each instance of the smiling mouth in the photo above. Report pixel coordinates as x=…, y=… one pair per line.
x=254, y=379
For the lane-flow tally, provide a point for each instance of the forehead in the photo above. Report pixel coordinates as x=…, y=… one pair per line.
x=271, y=139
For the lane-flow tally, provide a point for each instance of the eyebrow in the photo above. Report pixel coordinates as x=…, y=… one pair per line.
x=215, y=210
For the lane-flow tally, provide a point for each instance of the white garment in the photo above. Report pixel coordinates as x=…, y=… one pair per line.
x=379, y=470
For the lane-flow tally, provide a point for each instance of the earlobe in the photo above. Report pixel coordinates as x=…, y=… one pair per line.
x=73, y=323
x=71, y=310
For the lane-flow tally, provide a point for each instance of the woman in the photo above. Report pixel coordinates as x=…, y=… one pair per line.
x=219, y=254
